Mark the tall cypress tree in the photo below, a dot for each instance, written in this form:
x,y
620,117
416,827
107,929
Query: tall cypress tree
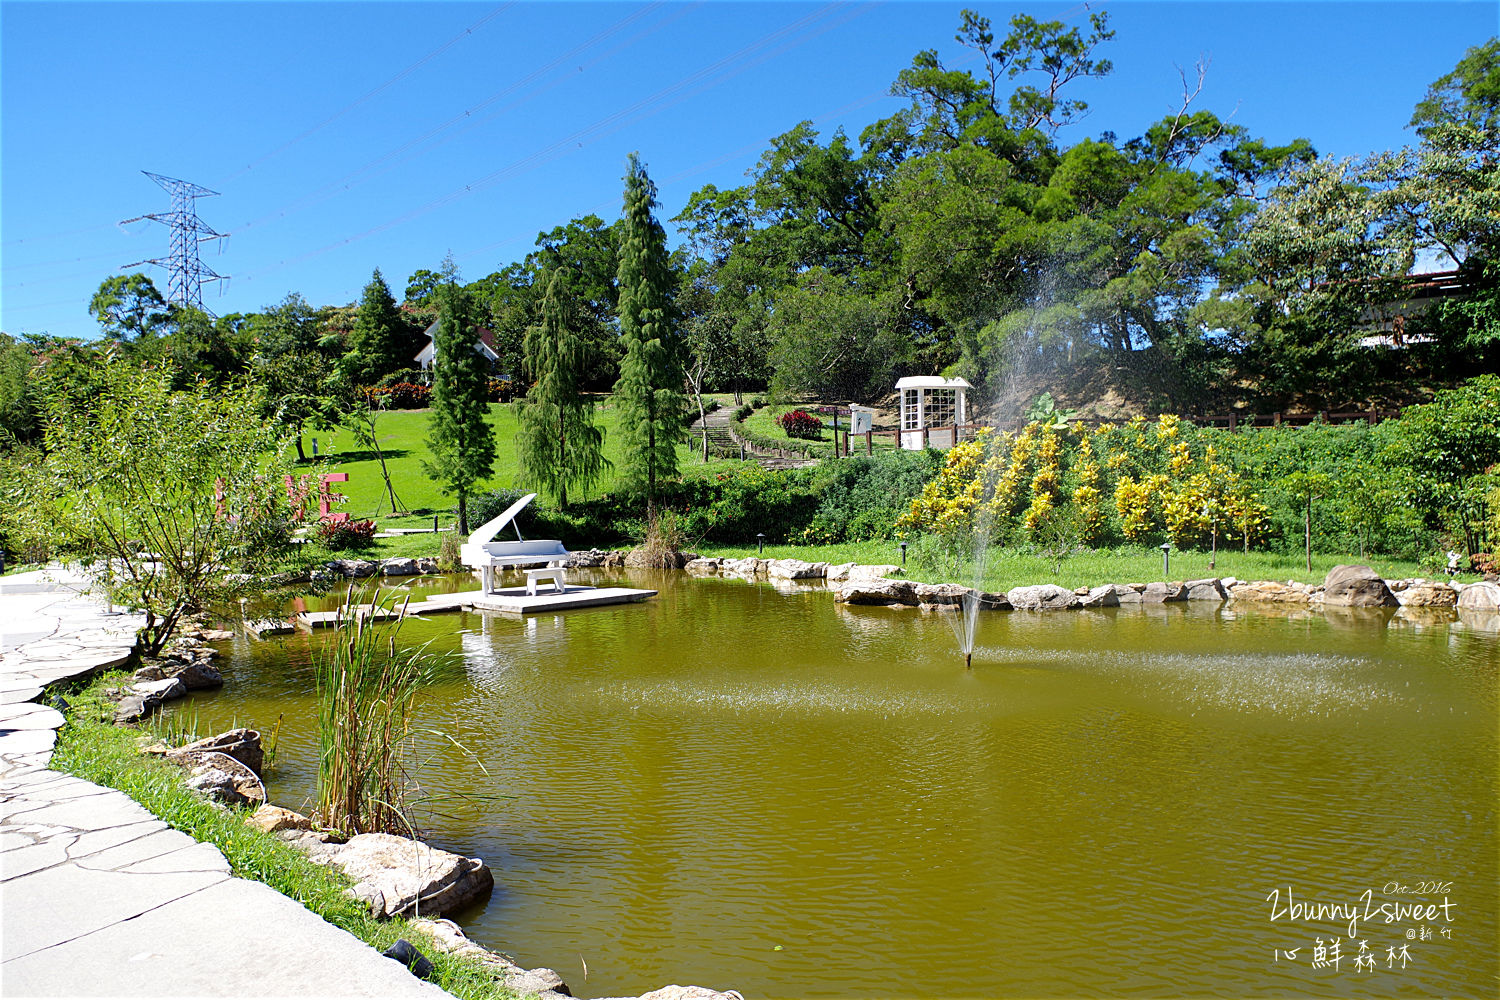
x,y
459,434
558,443
649,394
375,341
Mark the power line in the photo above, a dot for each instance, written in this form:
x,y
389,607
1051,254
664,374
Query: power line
x,y
663,98
371,93
337,187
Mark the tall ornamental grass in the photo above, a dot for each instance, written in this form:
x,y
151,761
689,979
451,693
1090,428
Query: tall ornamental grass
x,y
367,692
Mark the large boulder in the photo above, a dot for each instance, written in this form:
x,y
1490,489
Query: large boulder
x,y
1129,593
395,875
1271,592
399,566
877,592
1348,586
1101,597
866,571
1204,590
446,936
274,819
1427,595
1042,597
1480,597
795,569
1159,593
352,567
940,594
197,675
241,744
704,566
224,779
748,566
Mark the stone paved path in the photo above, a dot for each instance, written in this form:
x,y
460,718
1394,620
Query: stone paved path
x,y
98,898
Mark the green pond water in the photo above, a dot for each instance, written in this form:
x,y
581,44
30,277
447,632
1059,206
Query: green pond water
x,y
744,788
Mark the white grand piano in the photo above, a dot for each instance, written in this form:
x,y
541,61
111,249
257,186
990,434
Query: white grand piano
x,y
485,555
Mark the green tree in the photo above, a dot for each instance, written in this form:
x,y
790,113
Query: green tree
x,y
128,306
361,418
558,444
649,394
302,389
1304,488
290,326
166,519
376,342
20,400
459,434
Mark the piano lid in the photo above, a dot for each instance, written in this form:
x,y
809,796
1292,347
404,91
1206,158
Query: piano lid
x,y
490,529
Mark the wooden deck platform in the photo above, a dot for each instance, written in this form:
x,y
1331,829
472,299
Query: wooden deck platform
x,y
507,600
515,600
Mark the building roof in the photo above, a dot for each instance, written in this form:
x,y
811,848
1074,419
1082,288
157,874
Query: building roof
x,y
931,382
486,342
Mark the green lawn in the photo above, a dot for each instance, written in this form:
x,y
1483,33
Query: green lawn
x,y
403,438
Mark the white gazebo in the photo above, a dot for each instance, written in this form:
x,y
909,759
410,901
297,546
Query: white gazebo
x,y
933,411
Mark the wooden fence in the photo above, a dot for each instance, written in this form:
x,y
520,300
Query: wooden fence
x,y
1234,422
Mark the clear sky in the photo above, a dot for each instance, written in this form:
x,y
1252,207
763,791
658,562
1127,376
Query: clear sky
x,y
342,137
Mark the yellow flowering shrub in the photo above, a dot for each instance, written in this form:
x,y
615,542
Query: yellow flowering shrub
x,y
1019,484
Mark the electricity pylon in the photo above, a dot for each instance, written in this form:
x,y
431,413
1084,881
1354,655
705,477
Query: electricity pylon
x,y
185,272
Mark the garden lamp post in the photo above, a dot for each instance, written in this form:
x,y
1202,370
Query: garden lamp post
x,y
903,553
760,541
1166,547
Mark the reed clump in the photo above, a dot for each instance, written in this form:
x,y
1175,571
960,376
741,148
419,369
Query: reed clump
x,y
367,692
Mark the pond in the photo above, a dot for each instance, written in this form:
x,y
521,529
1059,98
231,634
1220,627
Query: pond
x,y
744,788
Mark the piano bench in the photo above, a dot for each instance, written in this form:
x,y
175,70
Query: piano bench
x,y
554,573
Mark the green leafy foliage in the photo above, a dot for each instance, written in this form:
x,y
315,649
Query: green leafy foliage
x,y
162,517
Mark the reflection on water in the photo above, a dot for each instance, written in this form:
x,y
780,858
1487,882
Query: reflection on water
x,y
744,788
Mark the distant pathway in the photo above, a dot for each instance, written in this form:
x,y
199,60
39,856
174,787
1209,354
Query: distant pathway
x,y
720,441
100,898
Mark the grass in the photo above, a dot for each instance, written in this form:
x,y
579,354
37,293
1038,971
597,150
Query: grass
x,y
92,748
1007,568
403,439
366,693
763,422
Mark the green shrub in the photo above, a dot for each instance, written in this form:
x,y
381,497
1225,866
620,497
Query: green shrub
x,y
488,506
406,376
860,498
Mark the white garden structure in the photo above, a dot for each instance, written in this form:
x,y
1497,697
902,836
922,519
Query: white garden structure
x,y
934,411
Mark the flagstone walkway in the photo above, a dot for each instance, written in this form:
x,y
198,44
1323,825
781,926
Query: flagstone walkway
x,y
98,898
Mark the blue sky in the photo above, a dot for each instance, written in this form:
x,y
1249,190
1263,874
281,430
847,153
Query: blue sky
x,y
343,137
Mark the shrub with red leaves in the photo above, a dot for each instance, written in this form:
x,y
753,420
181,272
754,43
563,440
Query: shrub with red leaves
x,y
800,424
337,536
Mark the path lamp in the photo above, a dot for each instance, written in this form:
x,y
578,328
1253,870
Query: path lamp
x,y
903,553
1166,547
1213,528
760,541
